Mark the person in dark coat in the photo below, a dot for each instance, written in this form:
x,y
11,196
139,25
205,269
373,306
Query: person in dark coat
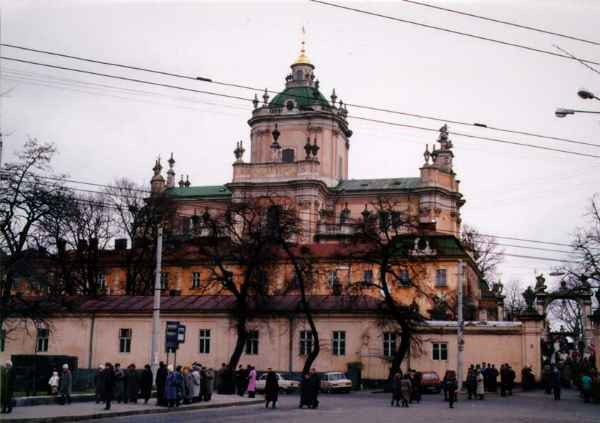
x,y
556,383
271,389
309,389
416,386
108,376
396,389
511,379
161,378
471,382
208,376
451,386
7,387
66,385
99,383
179,386
146,383
221,379
171,387
119,393
132,384
493,375
240,381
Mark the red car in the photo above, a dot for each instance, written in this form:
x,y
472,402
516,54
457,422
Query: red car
x,y
430,382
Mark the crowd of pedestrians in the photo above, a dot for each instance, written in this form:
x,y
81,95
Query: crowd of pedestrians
x,y
406,388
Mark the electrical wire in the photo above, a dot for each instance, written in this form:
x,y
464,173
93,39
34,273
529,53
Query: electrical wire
x,y
248,87
485,18
497,140
452,31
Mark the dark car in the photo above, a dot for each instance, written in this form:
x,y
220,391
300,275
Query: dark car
x,y
430,382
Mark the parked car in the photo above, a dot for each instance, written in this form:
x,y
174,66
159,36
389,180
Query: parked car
x,y
430,382
335,382
285,385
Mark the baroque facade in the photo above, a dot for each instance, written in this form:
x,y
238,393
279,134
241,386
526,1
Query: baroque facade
x,y
299,152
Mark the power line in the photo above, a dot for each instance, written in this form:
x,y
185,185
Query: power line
x,y
485,18
451,31
177,87
497,140
248,87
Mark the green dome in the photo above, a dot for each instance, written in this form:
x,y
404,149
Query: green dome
x,y
304,97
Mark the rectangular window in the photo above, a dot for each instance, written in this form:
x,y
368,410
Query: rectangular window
x,y
404,277
204,341
306,341
101,281
2,340
124,340
368,276
339,342
195,279
440,277
252,343
332,279
164,280
41,344
440,351
389,344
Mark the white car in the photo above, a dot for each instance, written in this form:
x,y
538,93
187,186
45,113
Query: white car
x,y
335,382
285,385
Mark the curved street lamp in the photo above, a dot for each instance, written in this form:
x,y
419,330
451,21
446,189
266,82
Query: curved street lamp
x,y
586,94
561,112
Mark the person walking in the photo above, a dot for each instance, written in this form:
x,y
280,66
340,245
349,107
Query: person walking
x,y
396,392
66,385
7,387
405,390
252,382
271,388
480,390
161,378
119,383
471,382
503,380
547,379
511,379
108,376
586,387
555,380
98,382
452,385
240,381
146,384
132,384
416,381
171,387
54,382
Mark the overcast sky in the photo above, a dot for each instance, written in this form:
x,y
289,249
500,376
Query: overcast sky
x,y
105,129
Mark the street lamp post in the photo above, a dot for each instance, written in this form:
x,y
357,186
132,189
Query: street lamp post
x,y
584,94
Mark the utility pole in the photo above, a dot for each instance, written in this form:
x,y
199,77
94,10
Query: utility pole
x,y
156,309
460,341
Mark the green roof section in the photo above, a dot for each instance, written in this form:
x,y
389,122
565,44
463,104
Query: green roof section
x,y
203,191
385,184
304,97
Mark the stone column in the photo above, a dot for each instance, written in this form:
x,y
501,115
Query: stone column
x,y
533,329
595,319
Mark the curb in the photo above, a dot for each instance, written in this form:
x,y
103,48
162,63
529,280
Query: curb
x,y
157,410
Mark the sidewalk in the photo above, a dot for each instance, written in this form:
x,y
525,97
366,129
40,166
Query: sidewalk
x,y
91,410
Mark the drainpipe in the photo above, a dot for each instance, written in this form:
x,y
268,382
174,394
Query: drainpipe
x,y
290,343
91,348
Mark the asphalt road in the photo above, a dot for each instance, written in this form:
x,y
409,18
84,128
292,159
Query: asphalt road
x,y
375,408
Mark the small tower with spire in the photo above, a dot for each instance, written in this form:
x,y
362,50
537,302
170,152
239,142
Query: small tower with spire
x,y
171,173
157,183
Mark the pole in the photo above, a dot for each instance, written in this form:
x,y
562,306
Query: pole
x,y
461,324
156,309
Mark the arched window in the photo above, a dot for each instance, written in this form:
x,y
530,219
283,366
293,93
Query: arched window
x,y
287,155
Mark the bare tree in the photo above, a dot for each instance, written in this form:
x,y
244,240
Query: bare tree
x,y
136,217
514,304
26,199
238,245
486,252
393,242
